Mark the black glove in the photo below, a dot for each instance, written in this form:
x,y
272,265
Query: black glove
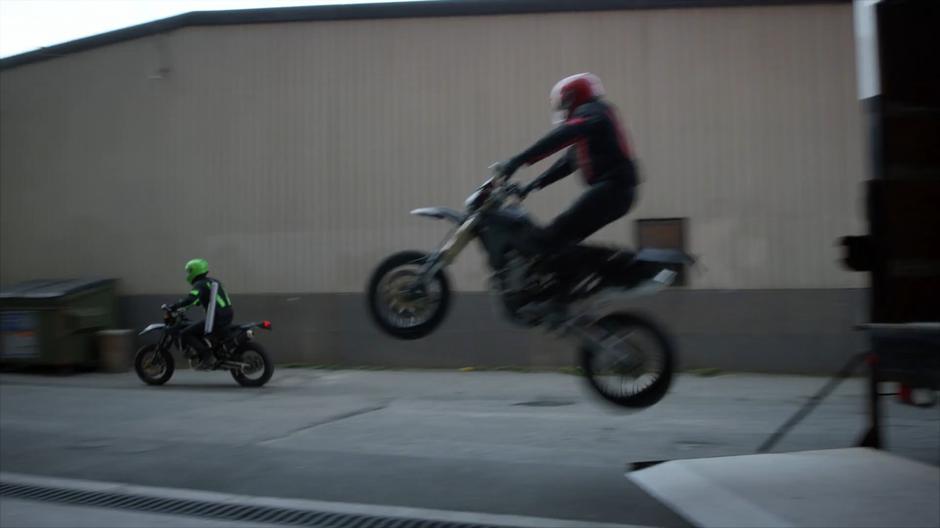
x,y
509,167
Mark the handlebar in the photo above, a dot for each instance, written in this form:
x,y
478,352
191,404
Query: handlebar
x,y
498,174
172,315
516,190
497,187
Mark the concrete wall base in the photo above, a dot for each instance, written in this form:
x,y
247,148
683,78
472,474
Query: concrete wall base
x,y
775,331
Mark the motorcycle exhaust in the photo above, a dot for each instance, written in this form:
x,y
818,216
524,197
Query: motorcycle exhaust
x,y
233,365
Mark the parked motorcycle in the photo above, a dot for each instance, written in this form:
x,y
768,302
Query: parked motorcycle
x,y
626,358
233,349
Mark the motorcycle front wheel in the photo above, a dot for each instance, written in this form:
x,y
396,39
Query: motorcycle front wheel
x,y
628,361
154,366
399,304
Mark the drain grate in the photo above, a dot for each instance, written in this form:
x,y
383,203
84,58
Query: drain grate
x,y
223,511
545,403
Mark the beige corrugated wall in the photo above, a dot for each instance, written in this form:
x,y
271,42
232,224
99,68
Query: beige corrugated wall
x,y
290,154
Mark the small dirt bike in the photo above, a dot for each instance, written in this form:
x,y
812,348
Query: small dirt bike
x,y
626,358
233,349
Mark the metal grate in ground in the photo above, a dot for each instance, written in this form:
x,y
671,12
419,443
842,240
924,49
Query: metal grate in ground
x,y
220,510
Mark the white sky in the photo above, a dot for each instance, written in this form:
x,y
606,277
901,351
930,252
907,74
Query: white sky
x,y
26,25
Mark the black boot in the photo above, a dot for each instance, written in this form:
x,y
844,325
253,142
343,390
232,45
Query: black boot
x,y
201,353
206,357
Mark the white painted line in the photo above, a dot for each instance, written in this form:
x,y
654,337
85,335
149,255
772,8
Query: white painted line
x,y
306,505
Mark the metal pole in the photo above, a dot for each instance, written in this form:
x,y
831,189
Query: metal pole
x,y
872,437
817,398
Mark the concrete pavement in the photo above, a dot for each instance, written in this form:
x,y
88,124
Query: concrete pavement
x,y
533,445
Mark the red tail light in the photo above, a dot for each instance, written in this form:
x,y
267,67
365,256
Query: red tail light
x,y
266,325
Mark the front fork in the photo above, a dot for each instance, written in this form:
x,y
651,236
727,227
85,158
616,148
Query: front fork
x,y
448,252
162,345
165,343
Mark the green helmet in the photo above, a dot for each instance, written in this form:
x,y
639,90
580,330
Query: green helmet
x,y
195,268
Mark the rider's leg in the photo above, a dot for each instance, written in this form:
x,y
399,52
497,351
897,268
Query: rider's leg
x,y
194,336
600,205
223,319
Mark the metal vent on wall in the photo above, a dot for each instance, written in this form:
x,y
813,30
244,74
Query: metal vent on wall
x,y
220,510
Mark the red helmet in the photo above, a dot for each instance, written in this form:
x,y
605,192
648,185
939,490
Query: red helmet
x,y
572,92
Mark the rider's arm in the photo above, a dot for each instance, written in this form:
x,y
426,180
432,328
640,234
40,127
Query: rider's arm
x,y
584,122
191,299
564,166
198,295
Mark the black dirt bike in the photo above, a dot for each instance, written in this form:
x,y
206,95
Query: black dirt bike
x,y
233,349
626,358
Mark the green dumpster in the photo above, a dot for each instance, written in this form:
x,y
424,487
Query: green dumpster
x,y
54,322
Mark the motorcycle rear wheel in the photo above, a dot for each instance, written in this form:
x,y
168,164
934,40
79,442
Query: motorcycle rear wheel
x,y
631,363
260,368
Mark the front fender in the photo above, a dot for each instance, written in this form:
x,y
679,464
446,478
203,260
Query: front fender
x,y
442,213
151,328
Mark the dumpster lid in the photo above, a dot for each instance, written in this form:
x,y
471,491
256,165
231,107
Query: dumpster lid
x,y
50,288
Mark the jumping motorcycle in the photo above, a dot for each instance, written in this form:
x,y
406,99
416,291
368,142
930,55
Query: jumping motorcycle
x,y
233,349
625,357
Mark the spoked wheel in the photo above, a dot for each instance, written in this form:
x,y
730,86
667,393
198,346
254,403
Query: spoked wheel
x,y
400,303
154,366
628,361
258,369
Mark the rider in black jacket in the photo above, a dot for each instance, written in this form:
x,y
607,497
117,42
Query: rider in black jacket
x,y
201,294
589,126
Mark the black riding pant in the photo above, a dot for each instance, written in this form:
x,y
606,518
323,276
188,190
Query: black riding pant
x,y
600,205
193,333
